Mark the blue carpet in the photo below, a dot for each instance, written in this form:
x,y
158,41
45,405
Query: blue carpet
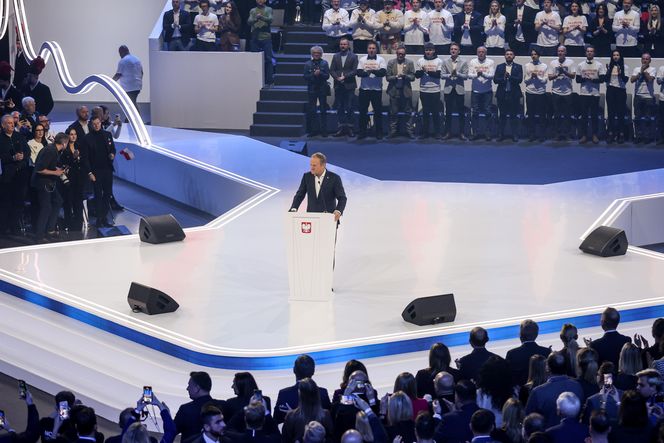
x,y
485,162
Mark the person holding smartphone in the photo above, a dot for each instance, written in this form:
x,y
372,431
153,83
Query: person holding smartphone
x,y
31,432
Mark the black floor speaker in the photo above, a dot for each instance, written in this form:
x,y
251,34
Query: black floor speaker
x,y
160,229
605,241
149,300
430,310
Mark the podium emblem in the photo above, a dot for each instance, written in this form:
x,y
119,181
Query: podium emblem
x,y
306,227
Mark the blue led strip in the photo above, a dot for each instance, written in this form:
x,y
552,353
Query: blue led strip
x,y
321,357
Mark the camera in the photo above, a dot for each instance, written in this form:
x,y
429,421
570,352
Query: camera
x,y
22,389
258,394
64,178
608,381
63,410
147,394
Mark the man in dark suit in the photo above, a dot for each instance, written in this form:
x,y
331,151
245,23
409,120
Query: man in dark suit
x,y
85,421
468,28
569,430
519,358
508,77
256,429
343,70
454,426
10,96
400,74
520,27
14,155
36,89
212,423
288,399
323,188
101,152
81,125
608,347
482,424
470,364
177,28
543,398
188,419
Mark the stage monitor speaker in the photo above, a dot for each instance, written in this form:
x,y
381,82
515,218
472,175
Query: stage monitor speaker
x,y
149,300
160,229
605,241
430,310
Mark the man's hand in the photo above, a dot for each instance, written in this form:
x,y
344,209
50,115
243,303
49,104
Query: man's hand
x,y
111,156
58,171
92,177
285,408
360,404
640,341
28,398
437,409
587,340
337,215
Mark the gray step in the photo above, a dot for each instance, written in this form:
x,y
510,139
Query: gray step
x,y
312,38
301,48
276,130
292,58
280,106
279,118
286,94
289,80
290,68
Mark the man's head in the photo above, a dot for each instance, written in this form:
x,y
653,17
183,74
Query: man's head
x,y
590,54
29,105
344,45
509,56
534,55
556,363
372,49
351,436
429,50
627,5
606,368
205,6
16,115
314,432
317,163
645,59
568,405
175,4
254,415
533,423
455,49
416,4
478,337
260,3
304,367
335,4
388,5
481,53
95,123
599,424
401,53
562,52
649,382
60,141
438,5
610,317
547,5
443,384
86,421
465,392
468,6
364,5
528,330
425,426
200,385
125,415
123,50
482,422
82,113
213,422
44,121
8,124
316,53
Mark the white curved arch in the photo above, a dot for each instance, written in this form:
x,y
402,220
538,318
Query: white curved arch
x,y
53,48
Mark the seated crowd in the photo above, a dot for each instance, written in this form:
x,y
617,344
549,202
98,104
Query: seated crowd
x,y
43,172
611,390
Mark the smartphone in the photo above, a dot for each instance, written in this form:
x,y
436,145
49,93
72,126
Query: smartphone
x,y
2,419
22,388
258,394
147,394
608,380
63,410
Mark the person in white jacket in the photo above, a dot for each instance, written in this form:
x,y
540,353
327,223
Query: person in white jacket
x,y
480,71
363,24
336,25
441,26
494,29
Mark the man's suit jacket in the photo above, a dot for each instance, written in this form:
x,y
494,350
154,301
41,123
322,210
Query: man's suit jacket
x,y
15,95
527,24
514,81
43,97
290,395
476,28
568,431
594,403
470,365
454,426
543,398
608,347
456,82
519,358
408,78
349,70
250,436
186,25
188,420
331,196
9,146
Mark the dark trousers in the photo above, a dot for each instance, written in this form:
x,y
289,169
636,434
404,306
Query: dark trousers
x,y
202,46
72,203
509,110
588,109
133,95
313,123
644,117
397,105
376,99
103,187
265,46
12,200
344,99
495,51
616,104
50,203
536,110
481,108
178,44
431,109
562,109
454,104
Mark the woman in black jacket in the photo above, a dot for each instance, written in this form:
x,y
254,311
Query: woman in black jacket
x,y
616,97
601,31
74,160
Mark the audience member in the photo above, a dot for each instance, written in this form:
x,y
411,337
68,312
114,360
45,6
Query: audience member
x,y
586,371
400,74
590,74
245,387
607,399
314,432
316,74
535,78
101,152
616,97
371,69
31,432
212,425
520,27
49,135
188,419
643,78
416,27
629,364
601,30
512,423
343,70
454,72
633,425
494,30
336,24
130,74
32,87
600,427
287,400
536,376
229,28
481,71
495,386
367,423
468,28
654,32
650,388
37,142
654,352
11,97
29,115
256,429
454,427
441,26
575,26
608,347
470,365
569,430
533,423
81,125
14,156
358,390
626,26
309,409
85,421
429,71
443,394
398,411
389,23
439,360
548,26
482,424
519,358
205,28
177,28
569,337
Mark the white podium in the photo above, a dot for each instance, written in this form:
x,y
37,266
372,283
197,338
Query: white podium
x,y
310,240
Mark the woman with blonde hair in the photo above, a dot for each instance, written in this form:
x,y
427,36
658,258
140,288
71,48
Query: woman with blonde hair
x,y
586,371
513,414
136,433
569,336
654,37
629,364
399,416
536,376
494,29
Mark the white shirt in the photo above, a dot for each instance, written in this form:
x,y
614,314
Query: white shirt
x,y
592,70
616,79
207,439
533,4
429,84
575,38
519,30
441,25
131,72
626,36
453,6
206,23
318,181
487,68
331,17
642,87
414,33
535,85
562,84
495,35
372,82
176,24
465,37
366,30
547,35
660,81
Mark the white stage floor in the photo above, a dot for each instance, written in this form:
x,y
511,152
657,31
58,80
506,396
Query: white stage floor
x,y
507,252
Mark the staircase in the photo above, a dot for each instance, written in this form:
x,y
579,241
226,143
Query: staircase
x,y
280,112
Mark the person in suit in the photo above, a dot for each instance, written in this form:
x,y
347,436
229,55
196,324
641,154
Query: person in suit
x,y
543,398
323,188
608,347
85,421
607,400
188,419
21,66
287,399
443,385
46,173
101,152
569,430
455,72
177,28
14,155
343,70
10,96
316,74
81,125
455,426
520,27
470,364
31,432
400,74
468,28
34,88
508,77
482,423
255,417
213,425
